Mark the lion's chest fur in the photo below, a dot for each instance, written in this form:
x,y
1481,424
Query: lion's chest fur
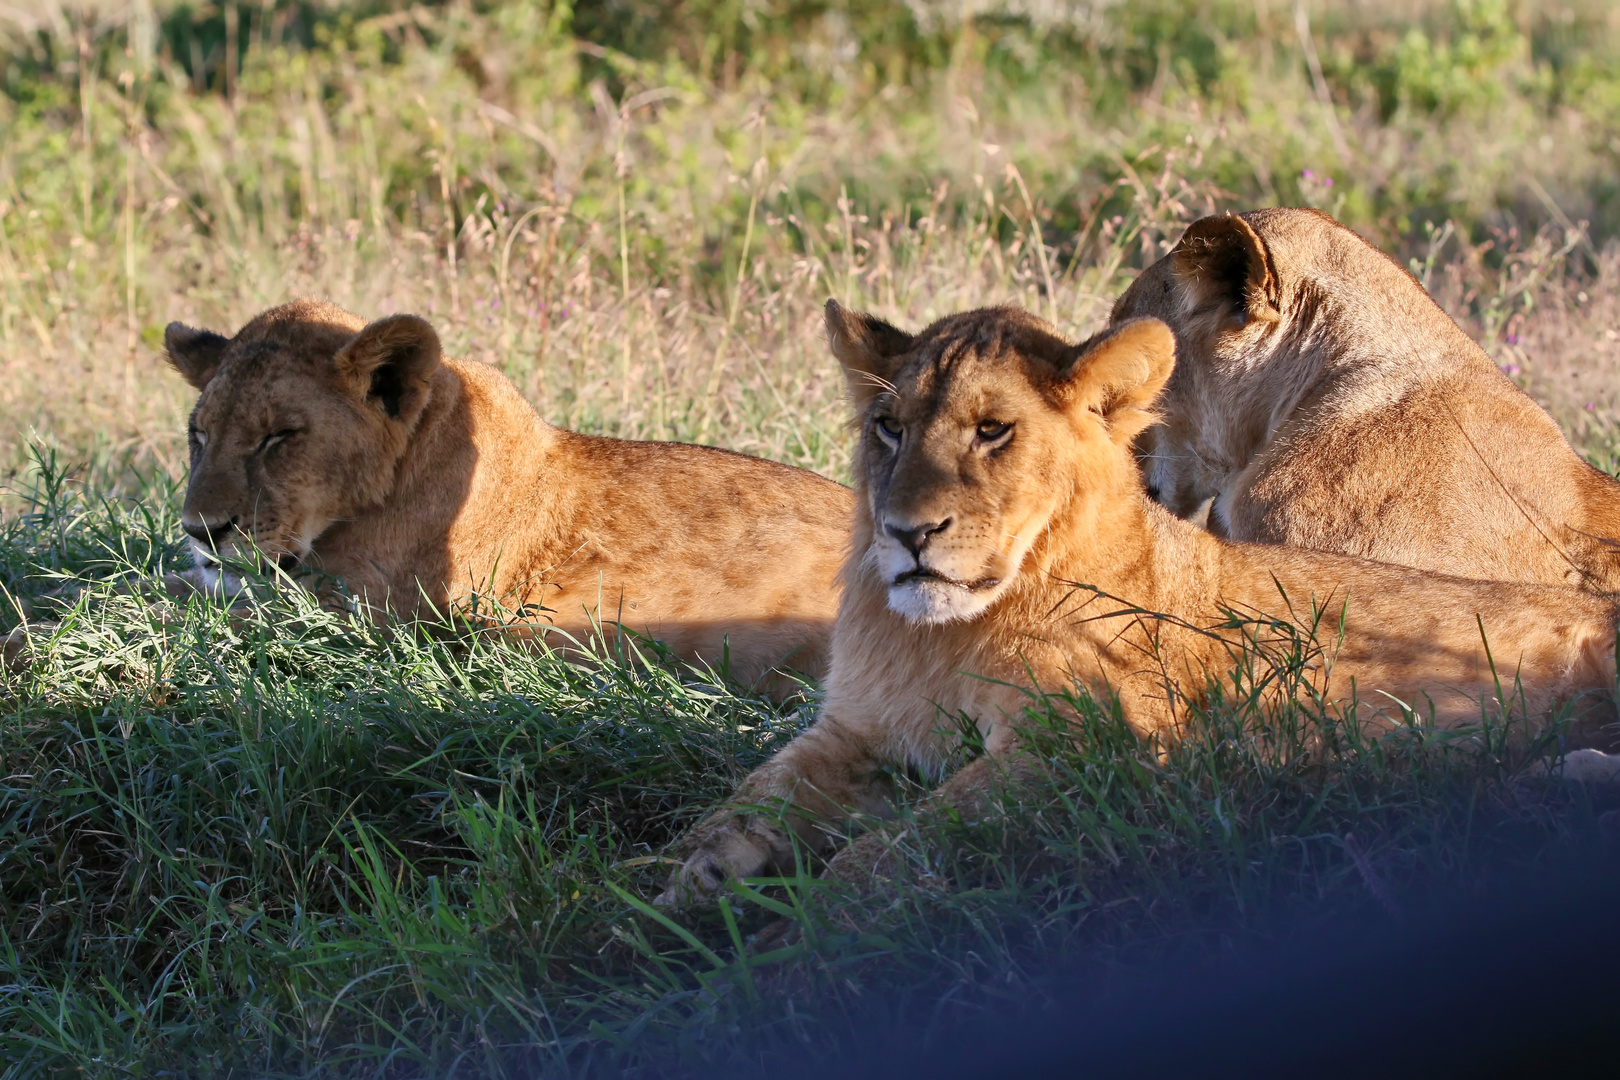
x,y
912,689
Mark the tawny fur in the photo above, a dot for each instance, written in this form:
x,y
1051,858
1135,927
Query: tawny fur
x,y
1024,514
421,481
1322,399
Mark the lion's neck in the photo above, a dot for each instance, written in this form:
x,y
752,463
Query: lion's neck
x,y
1099,539
1121,544
480,458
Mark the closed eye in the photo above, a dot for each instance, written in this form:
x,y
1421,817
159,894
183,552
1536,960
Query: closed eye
x,y
275,438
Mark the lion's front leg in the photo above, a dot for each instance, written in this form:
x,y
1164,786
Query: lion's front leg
x,y
821,777
971,793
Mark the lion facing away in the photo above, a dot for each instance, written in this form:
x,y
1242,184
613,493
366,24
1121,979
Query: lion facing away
x,y
1322,399
1002,533
340,448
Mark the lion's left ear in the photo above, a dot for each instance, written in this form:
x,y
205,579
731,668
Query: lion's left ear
x,y
867,347
1221,264
1119,374
389,364
195,354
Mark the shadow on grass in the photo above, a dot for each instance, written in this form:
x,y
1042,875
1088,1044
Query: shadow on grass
x,y
279,841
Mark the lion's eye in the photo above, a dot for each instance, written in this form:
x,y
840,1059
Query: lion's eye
x,y
275,438
992,430
199,437
890,429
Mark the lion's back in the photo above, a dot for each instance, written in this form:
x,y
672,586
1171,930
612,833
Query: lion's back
x,y
1364,421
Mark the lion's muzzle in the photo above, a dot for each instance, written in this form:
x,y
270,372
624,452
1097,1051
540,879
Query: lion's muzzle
x,y
208,534
915,537
923,566
925,573
216,543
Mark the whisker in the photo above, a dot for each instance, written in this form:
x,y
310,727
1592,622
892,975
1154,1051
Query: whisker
x,y
876,380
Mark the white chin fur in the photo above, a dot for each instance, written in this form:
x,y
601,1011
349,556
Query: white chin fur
x,y
207,575
923,600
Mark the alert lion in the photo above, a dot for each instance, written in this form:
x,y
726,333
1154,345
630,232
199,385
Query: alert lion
x,y
1322,399
341,448
1002,532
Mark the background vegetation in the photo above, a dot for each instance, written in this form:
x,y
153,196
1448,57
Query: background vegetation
x,y
287,845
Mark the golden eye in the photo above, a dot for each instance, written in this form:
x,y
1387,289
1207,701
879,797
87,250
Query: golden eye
x,y
992,430
890,428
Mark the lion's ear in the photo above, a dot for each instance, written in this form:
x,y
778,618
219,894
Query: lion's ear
x,y
389,363
866,346
195,354
1222,264
1119,373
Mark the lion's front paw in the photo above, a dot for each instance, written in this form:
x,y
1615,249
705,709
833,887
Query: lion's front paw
x,y
735,849
867,860
695,880
1592,768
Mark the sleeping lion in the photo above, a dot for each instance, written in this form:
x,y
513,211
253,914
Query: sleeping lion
x,y
352,450
1002,534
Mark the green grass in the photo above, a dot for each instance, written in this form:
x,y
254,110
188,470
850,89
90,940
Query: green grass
x,y
277,842
281,843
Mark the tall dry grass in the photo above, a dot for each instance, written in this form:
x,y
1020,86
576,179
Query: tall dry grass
x,y
645,248
598,330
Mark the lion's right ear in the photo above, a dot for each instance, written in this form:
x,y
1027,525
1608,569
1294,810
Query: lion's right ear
x,y
389,364
1120,373
195,354
1222,264
866,346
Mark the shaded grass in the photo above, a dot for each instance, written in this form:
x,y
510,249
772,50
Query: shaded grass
x,y
281,843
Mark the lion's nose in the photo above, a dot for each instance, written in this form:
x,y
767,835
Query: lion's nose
x,y
205,533
915,538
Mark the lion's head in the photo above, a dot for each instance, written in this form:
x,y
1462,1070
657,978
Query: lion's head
x,y
302,421
975,432
1261,304
1220,291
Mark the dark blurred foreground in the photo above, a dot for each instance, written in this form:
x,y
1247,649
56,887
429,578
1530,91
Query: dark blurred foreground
x,y
1521,982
